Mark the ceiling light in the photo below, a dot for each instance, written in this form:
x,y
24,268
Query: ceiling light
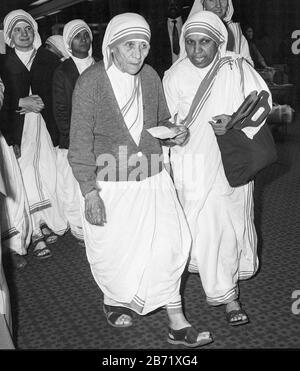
x,y
38,2
56,11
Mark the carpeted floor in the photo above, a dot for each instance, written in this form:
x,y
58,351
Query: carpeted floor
x,y
57,305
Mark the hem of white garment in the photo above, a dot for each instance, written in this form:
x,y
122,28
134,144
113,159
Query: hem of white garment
x,y
228,297
39,206
10,233
75,234
139,309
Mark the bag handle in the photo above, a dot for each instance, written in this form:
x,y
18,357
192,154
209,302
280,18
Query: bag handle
x,y
258,112
254,109
252,112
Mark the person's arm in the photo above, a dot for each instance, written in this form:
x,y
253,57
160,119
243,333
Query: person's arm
x,y
81,150
61,105
172,96
163,114
259,57
7,124
81,154
172,100
32,103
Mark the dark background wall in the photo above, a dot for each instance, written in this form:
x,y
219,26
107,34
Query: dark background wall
x,y
273,22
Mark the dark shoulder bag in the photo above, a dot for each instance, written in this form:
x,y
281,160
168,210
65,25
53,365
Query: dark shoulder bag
x,y
243,157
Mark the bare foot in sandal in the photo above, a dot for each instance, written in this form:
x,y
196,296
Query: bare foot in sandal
x,y
235,315
181,332
189,337
41,250
50,236
118,316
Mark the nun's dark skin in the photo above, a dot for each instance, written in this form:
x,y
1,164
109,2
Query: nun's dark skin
x,y
201,51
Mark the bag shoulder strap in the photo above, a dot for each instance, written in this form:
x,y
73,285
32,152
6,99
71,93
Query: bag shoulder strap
x,y
204,90
240,66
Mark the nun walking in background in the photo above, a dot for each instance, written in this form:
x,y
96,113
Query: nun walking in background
x,y
77,38
224,10
55,44
137,240
28,126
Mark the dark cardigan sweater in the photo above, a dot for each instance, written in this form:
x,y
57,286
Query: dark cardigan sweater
x,y
64,80
18,81
98,128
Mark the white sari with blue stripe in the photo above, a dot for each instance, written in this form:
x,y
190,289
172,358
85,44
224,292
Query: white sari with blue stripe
x,y
220,217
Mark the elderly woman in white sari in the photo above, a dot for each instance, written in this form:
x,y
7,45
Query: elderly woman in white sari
x,y
77,38
224,248
27,123
224,10
137,240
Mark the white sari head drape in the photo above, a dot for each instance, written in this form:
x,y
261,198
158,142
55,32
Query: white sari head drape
x,y
123,27
71,29
57,42
126,87
15,17
199,6
203,23
236,41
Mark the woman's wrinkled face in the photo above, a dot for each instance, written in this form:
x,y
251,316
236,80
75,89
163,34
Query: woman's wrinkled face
x,y
200,49
22,36
81,44
129,55
219,7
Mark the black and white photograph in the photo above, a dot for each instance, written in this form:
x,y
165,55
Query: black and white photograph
x,y
149,179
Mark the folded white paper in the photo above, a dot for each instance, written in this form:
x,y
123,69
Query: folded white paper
x,y
162,132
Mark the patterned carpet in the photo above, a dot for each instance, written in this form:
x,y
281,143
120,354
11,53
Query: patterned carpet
x,y
57,305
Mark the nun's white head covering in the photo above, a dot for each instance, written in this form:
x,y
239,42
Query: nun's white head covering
x,y
71,29
15,17
123,27
57,42
198,6
207,24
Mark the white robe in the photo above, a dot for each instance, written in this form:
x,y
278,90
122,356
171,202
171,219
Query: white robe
x,y
16,227
39,171
67,186
220,217
5,314
68,194
138,257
